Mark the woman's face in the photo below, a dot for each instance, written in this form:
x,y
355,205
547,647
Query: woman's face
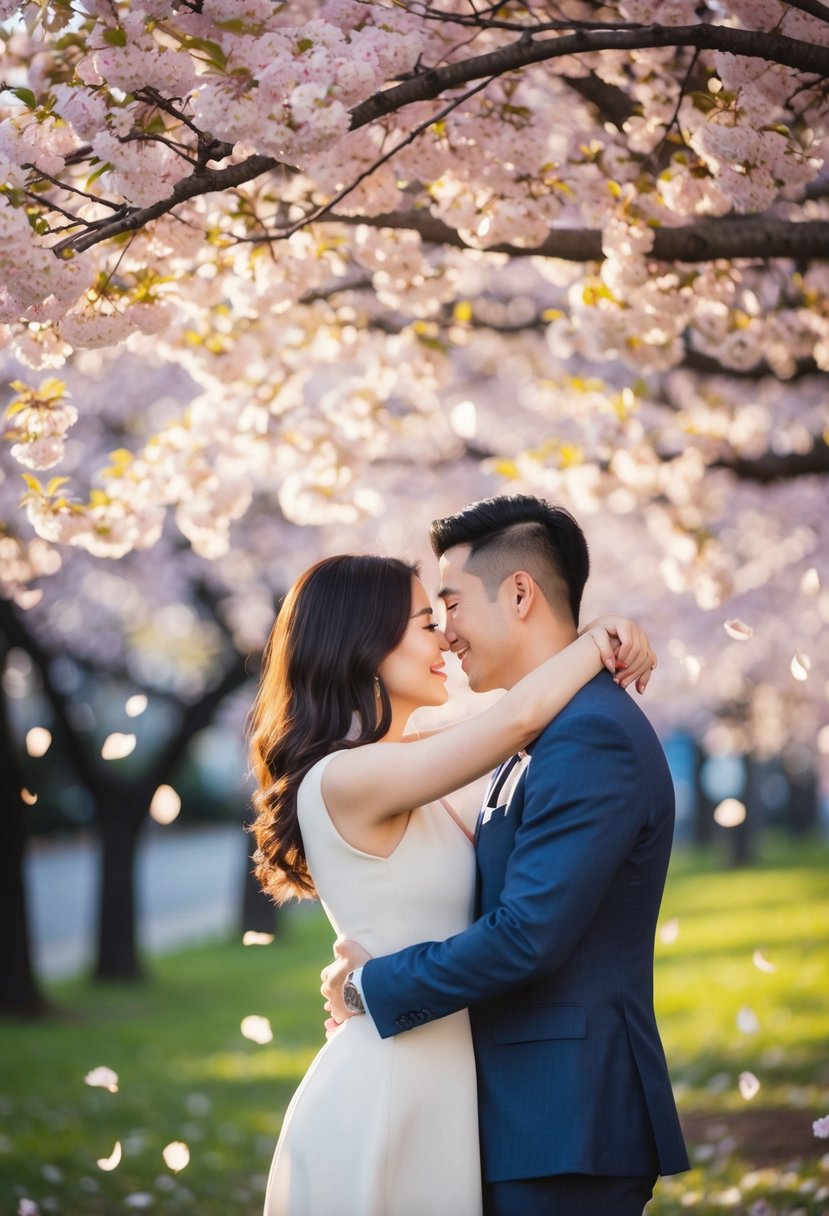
x,y
413,674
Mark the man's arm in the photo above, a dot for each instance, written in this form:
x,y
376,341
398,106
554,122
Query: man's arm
x,y
583,812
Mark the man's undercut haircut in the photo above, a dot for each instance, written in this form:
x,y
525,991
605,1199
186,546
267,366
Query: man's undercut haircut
x,y
518,532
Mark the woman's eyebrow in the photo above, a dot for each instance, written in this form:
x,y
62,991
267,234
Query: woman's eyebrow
x,y
422,612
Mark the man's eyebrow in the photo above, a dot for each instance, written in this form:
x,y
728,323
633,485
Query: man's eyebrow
x,y
445,592
422,612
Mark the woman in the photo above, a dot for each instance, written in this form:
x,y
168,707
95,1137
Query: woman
x,y
383,1127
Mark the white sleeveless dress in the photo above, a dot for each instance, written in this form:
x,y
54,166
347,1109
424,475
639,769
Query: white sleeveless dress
x,y
385,1127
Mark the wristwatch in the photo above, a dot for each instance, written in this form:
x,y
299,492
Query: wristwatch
x,y
351,995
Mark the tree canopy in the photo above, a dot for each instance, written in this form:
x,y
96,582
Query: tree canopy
x,y
574,248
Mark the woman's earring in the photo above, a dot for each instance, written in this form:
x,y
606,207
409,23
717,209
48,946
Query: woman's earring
x,y
377,688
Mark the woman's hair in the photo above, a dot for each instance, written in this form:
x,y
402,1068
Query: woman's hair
x,y
334,628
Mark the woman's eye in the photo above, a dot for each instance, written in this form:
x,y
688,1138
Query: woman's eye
x,y
431,628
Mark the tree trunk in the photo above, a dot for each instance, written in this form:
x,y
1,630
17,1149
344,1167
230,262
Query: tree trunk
x,y
703,826
19,992
120,819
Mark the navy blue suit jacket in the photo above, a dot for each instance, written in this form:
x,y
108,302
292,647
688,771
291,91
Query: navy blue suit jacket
x,y
558,969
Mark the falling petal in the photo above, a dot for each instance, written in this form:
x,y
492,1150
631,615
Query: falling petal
x,y
38,741
730,813
821,1127
738,630
113,1160
810,583
823,741
165,805
28,1207
136,705
176,1156
747,1020
693,667
28,797
139,1200
103,1078
749,1085
762,963
801,666
252,938
117,746
257,1029
669,932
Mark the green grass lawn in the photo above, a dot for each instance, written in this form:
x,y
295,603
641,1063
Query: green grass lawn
x,y
186,1073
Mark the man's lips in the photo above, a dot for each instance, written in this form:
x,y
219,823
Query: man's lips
x,y
461,654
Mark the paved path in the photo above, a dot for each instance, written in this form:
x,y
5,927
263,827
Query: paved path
x,y
189,887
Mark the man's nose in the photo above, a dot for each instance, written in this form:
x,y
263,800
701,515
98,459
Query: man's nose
x,y
449,634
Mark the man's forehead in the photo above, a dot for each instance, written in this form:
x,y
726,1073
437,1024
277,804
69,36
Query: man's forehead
x,y
452,573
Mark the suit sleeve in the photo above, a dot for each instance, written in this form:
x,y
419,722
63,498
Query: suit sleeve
x,y
583,811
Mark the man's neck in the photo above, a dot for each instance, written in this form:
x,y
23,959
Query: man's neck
x,y
538,650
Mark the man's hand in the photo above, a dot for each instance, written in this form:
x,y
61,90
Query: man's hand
x,y
350,955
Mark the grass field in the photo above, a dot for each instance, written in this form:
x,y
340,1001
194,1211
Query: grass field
x,y
186,1073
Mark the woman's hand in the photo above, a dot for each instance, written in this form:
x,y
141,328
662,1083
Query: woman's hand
x,y
634,656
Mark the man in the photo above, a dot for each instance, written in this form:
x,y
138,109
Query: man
x,y
577,1116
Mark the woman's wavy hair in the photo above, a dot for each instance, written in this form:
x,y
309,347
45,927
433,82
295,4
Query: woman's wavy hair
x,y
334,628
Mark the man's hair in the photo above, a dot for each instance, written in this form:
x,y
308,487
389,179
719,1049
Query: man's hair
x,y
518,532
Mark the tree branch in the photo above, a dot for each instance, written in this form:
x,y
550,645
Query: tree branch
x,y
203,181
771,466
774,48
704,241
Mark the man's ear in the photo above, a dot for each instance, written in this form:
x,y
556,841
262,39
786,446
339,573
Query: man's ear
x,y
523,593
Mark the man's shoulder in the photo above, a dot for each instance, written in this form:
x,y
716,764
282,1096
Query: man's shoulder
x,y
601,702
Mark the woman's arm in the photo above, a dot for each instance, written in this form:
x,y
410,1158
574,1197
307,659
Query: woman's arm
x,y
376,782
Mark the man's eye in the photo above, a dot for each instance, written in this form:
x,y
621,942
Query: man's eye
x,y
451,607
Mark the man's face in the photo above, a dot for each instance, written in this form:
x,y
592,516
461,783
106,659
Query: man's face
x,y
477,628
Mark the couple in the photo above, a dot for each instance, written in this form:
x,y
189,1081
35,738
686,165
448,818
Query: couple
x,y
542,924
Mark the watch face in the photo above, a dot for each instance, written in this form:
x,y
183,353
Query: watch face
x,y
351,997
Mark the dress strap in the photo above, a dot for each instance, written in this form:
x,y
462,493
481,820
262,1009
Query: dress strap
x,y
453,814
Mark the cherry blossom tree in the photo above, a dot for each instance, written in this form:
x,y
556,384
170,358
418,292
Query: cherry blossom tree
x,y
405,253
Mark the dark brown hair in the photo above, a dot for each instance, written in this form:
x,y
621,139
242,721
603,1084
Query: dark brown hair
x,y
334,628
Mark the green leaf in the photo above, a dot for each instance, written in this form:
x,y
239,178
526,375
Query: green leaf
x,y
26,96
116,37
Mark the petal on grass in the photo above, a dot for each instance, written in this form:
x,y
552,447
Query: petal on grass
x,y
103,1078
113,1160
176,1156
762,963
252,938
